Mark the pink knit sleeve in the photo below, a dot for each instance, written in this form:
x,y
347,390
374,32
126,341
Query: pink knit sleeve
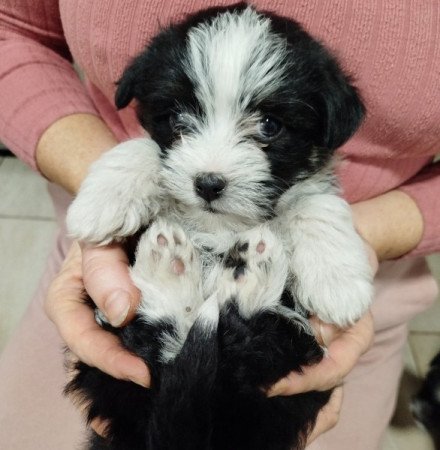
x,y
38,84
424,188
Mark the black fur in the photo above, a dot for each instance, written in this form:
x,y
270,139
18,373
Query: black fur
x,y
317,104
212,395
200,402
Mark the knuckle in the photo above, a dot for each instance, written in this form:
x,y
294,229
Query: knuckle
x,y
93,268
333,419
334,380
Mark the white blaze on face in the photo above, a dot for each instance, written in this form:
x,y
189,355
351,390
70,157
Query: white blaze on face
x,y
232,61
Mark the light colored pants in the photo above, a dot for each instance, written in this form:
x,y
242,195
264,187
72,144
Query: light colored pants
x,y
34,415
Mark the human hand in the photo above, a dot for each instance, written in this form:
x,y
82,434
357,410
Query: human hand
x,y
344,348
102,272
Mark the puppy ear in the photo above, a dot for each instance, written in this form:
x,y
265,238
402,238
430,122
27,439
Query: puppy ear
x,y
145,73
342,107
125,92
339,102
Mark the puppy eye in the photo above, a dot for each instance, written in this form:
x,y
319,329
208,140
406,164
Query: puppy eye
x,y
170,119
270,127
175,120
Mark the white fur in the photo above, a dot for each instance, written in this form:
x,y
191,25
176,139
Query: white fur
x,y
243,167
168,292
234,60
260,287
120,194
331,274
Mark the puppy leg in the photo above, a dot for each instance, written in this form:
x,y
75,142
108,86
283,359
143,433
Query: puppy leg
x,y
120,194
260,341
167,272
330,273
253,272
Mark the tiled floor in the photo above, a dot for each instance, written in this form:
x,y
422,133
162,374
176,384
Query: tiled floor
x,y
26,233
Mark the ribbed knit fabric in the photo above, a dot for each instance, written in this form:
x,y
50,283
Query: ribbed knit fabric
x,y
391,48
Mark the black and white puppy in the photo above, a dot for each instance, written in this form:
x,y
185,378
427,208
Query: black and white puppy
x,y
246,230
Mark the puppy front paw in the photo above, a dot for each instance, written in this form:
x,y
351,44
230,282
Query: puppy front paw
x,y
119,196
330,273
335,297
332,281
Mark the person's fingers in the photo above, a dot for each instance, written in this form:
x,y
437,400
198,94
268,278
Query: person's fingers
x,y
107,281
328,417
76,324
100,426
325,333
342,355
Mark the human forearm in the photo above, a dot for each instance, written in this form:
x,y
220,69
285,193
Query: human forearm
x,y
391,223
68,147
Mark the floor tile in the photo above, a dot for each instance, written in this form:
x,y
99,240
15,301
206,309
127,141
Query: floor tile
x,y
407,439
424,347
409,361
23,192
434,264
24,245
389,443
429,321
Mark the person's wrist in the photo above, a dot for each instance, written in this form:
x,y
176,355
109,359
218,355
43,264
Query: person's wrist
x,y
68,147
391,224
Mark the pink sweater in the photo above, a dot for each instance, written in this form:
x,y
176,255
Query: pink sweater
x,y
392,48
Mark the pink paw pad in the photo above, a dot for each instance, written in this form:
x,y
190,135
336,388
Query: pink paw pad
x,y
177,266
261,246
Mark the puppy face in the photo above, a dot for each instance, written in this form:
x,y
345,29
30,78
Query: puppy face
x,y
243,105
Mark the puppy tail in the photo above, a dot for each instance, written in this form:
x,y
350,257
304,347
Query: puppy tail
x,y
182,417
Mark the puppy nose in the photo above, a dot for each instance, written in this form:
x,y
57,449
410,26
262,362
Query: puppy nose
x,y
209,186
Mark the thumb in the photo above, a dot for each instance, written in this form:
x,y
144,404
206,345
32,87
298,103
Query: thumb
x,y
107,281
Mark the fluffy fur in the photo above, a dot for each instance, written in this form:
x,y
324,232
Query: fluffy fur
x,y
246,232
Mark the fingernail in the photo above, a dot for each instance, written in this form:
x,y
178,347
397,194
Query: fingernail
x,y
142,376
116,307
326,334
140,382
278,388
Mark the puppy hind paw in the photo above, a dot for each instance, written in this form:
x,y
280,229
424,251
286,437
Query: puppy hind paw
x,y
254,271
170,250
167,260
120,194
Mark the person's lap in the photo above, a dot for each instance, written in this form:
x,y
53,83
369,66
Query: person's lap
x,y
35,415
403,289
33,412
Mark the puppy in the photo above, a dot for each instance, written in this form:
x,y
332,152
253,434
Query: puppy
x,y
246,236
